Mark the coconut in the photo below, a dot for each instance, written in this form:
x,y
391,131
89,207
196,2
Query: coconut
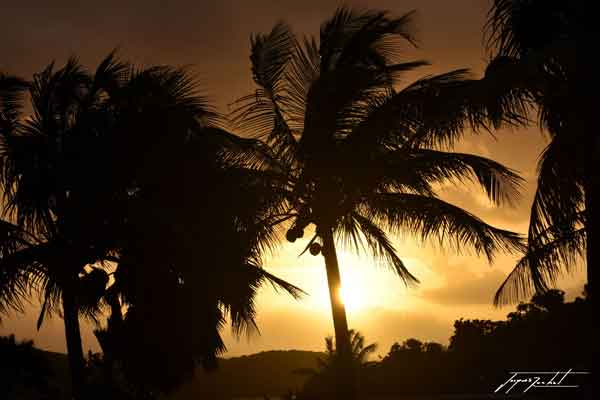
x,y
290,235
314,248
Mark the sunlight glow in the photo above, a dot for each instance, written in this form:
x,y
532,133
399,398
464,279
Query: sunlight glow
x,y
352,297
367,284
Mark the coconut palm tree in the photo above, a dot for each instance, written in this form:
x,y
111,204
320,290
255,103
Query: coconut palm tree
x,y
353,155
67,210
533,45
205,261
322,379
59,198
360,352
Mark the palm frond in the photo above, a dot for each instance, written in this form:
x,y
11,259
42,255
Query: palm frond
x,y
174,89
560,190
501,184
20,270
541,266
359,89
498,28
248,153
515,28
361,232
238,298
428,217
261,112
351,38
110,75
301,74
50,292
434,111
12,90
377,38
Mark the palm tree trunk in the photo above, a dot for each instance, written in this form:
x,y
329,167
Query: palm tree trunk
x,y
347,383
73,338
334,281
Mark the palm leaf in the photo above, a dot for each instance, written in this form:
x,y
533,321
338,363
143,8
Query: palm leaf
x,y
363,232
12,91
501,184
261,111
560,191
428,217
541,266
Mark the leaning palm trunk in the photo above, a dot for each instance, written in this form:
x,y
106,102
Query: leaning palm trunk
x,y
340,323
73,338
347,380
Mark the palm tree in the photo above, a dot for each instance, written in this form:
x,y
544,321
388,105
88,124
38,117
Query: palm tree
x,y
352,155
62,204
322,379
66,209
205,261
359,351
533,45
57,204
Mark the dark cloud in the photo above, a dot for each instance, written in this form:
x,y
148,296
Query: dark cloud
x,y
212,35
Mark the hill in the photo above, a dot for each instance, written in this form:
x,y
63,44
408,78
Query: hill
x,y
256,375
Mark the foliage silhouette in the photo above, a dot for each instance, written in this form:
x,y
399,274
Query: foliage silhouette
x,y
481,353
323,379
476,362
24,371
70,218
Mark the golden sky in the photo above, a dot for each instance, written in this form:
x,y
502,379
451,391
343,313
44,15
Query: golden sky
x,y
213,38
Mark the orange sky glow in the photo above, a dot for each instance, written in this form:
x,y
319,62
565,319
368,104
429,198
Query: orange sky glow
x,y
214,38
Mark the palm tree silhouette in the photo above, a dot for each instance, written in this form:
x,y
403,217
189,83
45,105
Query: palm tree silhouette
x,y
359,351
350,153
67,210
205,261
534,51
57,197
323,377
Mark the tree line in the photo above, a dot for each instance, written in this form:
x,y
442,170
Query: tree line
x,y
479,355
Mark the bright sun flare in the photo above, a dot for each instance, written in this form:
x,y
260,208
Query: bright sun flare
x,y
364,286
351,297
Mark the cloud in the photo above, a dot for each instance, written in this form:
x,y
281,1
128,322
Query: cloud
x,y
466,287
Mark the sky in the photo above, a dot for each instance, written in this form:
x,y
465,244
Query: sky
x,y
212,38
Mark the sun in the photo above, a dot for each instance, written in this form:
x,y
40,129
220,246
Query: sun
x,y
364,287
351,296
